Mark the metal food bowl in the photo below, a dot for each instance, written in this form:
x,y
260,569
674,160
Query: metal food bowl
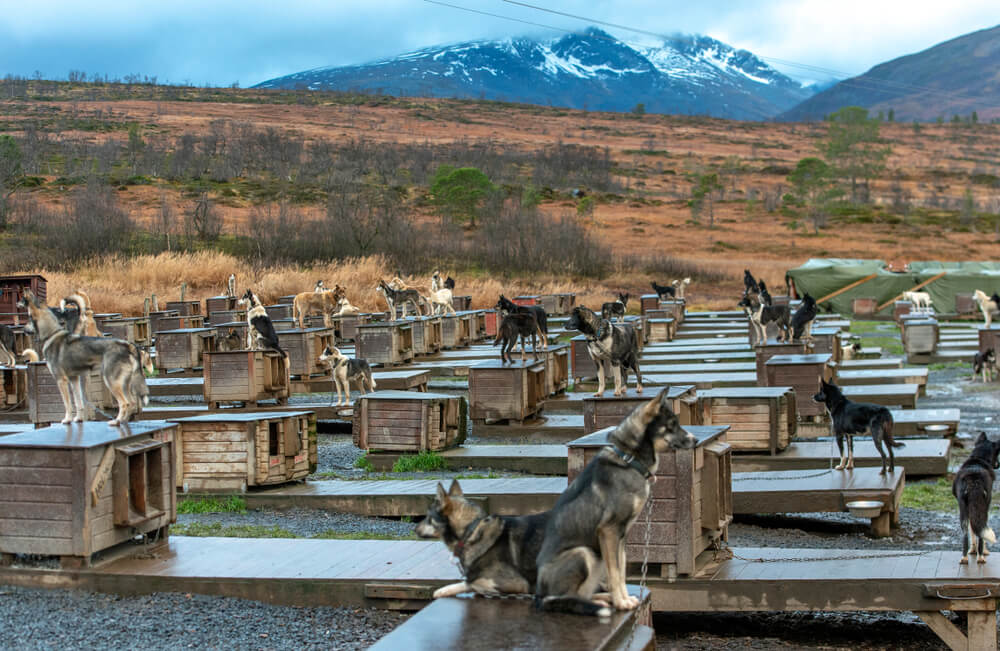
x,y
865,508
936,429
710,360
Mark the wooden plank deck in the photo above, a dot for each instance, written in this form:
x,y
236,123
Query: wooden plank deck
x,y
908,375
920,457
549,428
702,357
890,395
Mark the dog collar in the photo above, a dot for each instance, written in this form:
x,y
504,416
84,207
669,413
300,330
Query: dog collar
x,y
630,459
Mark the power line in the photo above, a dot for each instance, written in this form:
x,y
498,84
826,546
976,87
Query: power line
x,y
834,73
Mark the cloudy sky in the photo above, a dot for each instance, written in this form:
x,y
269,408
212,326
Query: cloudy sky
x,y
219,42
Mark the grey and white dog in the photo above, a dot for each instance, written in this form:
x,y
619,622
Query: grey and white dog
x,y
403,297
71,357
346,369
617,344
584,543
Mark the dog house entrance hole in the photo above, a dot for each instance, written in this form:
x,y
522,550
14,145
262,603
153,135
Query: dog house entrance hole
x,y
139,475
273,432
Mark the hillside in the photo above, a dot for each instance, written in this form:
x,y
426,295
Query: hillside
x,y
278,159
956,77
593,70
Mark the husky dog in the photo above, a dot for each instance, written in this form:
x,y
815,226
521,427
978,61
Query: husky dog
x,y
7,346
346,309
988,305
984,364
921,300
973,487
584,544
802,320
229,341
30,355
514,325
404,297
440,297
345,370
849,418
496,552
760,314
663,292
320,287
231,286
607,342
616,308
507,306
850,348
71,357
679,285
260,331
85,323
324,302
750,283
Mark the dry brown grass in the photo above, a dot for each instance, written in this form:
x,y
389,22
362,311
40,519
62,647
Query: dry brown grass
x,y
115,284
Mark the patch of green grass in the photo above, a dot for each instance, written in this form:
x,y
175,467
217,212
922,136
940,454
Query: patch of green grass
x,y
930,497
940,366
364,463
231,504
862,327
478,475
331,534
426,461
888,344
217,530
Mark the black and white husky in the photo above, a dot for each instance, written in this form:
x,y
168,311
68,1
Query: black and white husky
x,y
973,488
984,364
261,334
609,342
849,418
346,369
616,308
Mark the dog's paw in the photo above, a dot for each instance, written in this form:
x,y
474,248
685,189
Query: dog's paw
x,y
78,419
113,422
638,388
964,560
839,466
66,421
598,394
628,603
981,560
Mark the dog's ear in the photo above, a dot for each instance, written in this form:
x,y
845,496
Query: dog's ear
x,y
630,431
982,437
455,490
442,496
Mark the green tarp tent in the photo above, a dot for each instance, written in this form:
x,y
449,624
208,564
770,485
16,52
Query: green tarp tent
x,y
822,276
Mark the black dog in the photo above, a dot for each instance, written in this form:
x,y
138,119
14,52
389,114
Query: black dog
x,y
750,283
765,297
802,320
663,292
973,488
615,308
514,325
510,307
984,363
850,418
449,283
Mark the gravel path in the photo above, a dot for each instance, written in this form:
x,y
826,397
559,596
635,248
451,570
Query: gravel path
x,y
70,619
305,523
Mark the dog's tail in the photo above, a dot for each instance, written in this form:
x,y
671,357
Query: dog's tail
x,y
371,380
886,422
572,605
30,355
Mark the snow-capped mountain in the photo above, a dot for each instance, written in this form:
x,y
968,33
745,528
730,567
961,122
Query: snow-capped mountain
x,y
592,70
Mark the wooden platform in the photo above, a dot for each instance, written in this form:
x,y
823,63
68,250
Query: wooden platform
x,y
890,395
814,492
920,457
908,375
550,428
470,622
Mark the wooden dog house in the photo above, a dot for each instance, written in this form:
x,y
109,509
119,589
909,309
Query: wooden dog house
x,y
760,419
426,334
154,319
134,330
226,316
408,421
346,327
230,452
304,348
183,348
827,340
279,311
556,359
185,308
558,304
13,386
177,322
74,490
45,403
803,374
12,290
461,303
661,329
456,330
989,338
692,501
609,410
584,366
920,336
385,342
218,304
766,351
648,302
499,391
245,376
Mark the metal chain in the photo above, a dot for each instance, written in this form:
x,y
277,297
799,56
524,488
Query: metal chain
x,y
645,569
815,474
719,548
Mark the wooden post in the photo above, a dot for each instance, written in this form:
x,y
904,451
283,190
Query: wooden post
x,y
183,291
145,307
156,304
